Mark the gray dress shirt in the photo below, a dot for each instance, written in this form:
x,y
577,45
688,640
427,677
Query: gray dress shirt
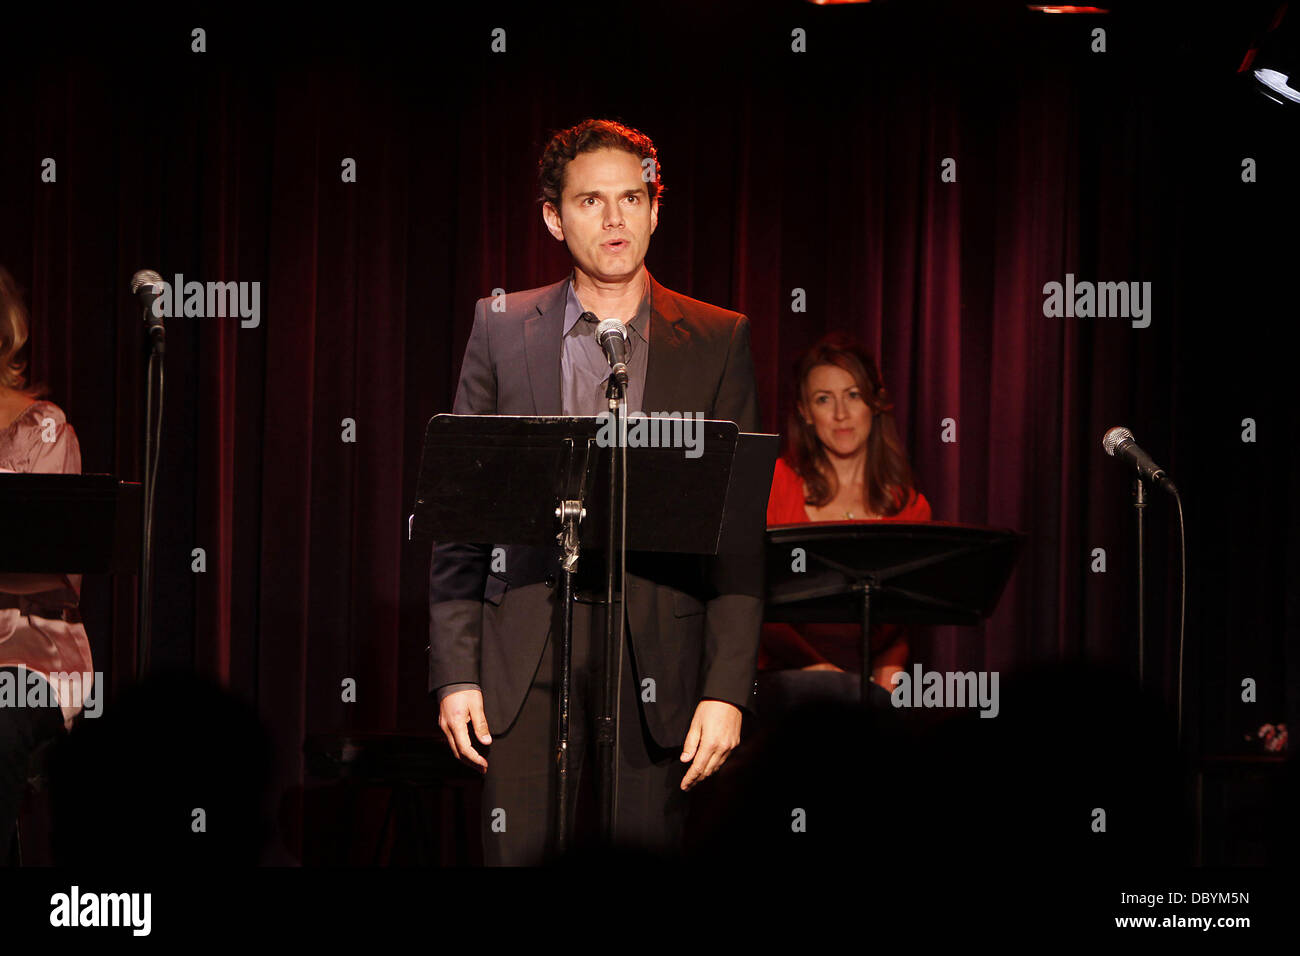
x,y
584,370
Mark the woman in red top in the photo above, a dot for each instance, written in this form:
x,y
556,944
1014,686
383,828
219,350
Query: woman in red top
x,y
843,462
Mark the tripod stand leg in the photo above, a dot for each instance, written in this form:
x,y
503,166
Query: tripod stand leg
x,y
562,746
866,643
571,513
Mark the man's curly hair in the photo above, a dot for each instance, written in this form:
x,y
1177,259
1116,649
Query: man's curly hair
x,y
586,137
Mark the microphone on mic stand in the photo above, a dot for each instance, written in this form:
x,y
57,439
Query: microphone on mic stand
x,y
612,336
147,286
1119,443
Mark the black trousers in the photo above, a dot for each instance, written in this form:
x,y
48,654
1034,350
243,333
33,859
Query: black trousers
x,y
22,730
518,790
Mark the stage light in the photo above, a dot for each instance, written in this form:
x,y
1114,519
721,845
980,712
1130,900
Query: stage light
x,y
1272,60
1064,8
1272,82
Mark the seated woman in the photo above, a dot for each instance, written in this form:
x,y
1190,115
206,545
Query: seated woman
x,y
843,462
40,631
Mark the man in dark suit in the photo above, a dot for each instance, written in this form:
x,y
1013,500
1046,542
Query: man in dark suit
x,y
692,623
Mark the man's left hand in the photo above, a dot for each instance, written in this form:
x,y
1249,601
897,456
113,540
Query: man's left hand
x,y
714,733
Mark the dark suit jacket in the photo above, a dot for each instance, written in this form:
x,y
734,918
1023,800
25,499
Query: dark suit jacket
x,y
694,622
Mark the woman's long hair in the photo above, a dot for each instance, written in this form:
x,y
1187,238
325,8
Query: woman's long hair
x,y
13,336
888,475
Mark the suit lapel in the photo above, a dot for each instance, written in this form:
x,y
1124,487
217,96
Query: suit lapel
x,y
668,340
543,341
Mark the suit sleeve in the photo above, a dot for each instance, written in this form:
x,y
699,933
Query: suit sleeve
x,y
457,571
734,618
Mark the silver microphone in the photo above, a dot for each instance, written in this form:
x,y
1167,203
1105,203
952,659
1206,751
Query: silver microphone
x,y
147,286
612,336
1119,443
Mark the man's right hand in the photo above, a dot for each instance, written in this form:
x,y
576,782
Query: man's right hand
x,y
456,712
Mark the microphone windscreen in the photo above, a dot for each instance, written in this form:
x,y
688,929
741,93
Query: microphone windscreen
x,y
143,278
610,325
1114,438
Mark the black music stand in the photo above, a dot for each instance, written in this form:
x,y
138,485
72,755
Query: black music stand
x,y
544,481
931,573
70,524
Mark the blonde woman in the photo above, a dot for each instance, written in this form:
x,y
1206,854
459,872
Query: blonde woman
x,y
40,630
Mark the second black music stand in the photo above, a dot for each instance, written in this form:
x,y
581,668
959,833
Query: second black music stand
x,y
930,573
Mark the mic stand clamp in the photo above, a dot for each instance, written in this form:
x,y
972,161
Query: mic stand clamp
x,y
570,512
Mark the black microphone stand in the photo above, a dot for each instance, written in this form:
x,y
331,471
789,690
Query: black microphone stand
x,y
156,345
607,744
1140,506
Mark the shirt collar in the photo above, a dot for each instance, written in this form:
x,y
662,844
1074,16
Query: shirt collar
x,y
640,323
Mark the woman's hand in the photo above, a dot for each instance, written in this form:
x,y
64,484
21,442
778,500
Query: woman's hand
x,y
825,666
884,676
